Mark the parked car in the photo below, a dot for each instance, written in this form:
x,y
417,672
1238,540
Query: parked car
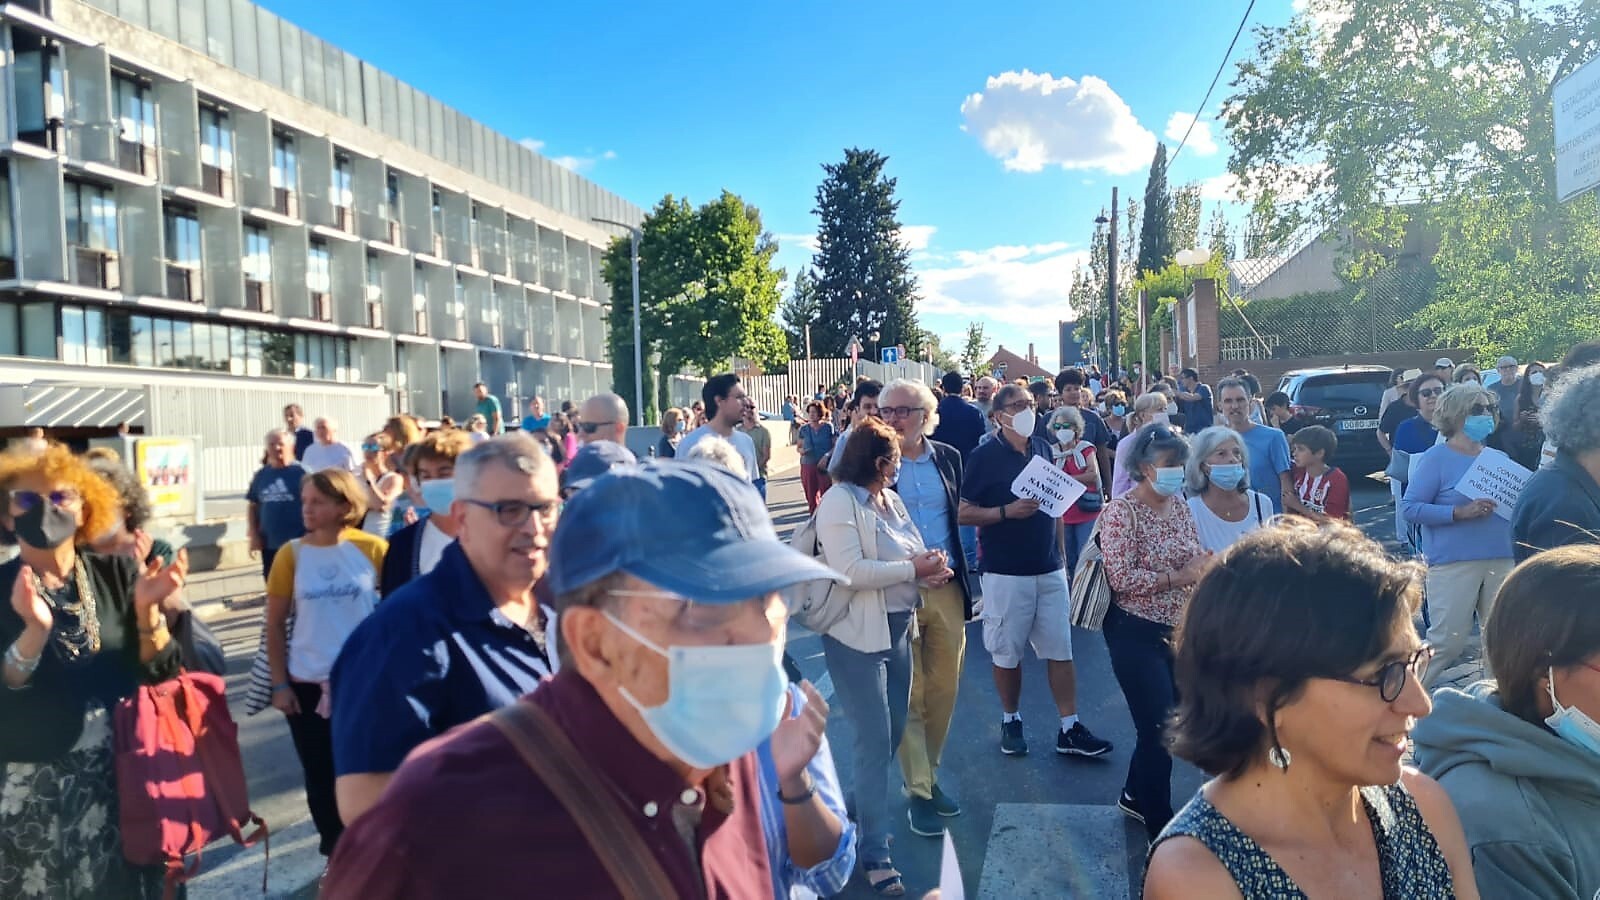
x,y
1345,399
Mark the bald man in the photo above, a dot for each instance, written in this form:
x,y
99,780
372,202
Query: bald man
x,y
603,417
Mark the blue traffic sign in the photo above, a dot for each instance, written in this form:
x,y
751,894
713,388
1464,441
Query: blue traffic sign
x,y
891,355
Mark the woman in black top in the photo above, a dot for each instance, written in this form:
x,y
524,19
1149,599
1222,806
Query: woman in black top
x,y
81,632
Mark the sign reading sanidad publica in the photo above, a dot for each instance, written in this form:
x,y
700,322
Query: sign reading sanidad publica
x,y
1055,490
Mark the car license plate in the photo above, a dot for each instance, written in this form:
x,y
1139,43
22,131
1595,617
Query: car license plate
x,y
1358,424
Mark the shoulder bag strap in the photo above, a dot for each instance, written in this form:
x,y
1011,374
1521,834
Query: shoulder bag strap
x,y
1256,502
633,869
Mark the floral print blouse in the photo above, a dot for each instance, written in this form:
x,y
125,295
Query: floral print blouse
x,y
1140,547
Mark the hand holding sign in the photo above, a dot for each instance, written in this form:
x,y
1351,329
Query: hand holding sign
x,y
1497,479
1054,489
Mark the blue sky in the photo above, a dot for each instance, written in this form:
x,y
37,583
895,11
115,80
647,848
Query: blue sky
x,y
1006,124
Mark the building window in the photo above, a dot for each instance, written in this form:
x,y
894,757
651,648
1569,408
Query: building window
x,y
344,195
91,213
257,255
183,238
8,245
277,353
40,90
319,280
285,175
136,122
216,151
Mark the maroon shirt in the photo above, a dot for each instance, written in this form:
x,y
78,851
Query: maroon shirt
x,y
466,817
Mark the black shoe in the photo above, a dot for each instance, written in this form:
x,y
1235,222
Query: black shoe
x,y
1129,808
1080,741
1011,740
923,818
944,804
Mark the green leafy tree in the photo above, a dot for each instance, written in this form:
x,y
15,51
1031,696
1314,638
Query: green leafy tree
x,y
707,292
975,351
864,281
1184,231
799,310
1369,115
1156,233
1220,236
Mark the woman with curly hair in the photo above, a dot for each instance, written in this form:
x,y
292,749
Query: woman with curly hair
x,y
82,631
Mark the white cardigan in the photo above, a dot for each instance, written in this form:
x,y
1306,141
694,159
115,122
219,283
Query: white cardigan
x,y
848,534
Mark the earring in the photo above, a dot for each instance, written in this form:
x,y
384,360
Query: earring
x,y
1279,758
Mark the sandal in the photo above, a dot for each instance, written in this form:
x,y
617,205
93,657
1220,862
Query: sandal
x,y
884,878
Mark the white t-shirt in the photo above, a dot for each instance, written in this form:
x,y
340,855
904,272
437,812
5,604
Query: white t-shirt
x,y
740,441
433,542
334,590
337,455
1218,534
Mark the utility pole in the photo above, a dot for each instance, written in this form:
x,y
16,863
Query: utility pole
x,y
1112,322
638,345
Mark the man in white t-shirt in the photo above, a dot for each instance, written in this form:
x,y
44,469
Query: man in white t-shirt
x,y
328,452
725,400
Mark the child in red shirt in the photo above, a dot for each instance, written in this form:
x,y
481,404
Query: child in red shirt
x,y
1323,490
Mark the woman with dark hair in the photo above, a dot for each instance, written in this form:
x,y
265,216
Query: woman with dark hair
x,y
1300,670
816,442
1520,755
866,533
1153,556
1525,442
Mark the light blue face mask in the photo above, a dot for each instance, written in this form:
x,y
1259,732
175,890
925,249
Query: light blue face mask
x,y
1169,481
722,700
437,495
1478,427
1118,410
1572,724
1227,477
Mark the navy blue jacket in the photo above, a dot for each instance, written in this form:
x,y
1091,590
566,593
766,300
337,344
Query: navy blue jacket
x,y
1560,505
960,425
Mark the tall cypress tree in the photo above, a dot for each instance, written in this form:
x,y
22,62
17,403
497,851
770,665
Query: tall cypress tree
x,y
862,267
1155,235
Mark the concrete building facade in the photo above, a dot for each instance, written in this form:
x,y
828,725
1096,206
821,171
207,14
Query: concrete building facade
x,y
207,212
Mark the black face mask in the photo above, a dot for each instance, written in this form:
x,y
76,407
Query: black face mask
x,y
46,526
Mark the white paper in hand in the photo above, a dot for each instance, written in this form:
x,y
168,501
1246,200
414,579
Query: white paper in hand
x,y
1055,490
950,886
1495,476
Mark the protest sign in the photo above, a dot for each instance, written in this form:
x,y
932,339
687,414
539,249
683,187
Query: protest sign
x,y
1495,476
1054,489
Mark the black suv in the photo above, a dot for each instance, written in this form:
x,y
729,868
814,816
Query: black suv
x,y
1345,399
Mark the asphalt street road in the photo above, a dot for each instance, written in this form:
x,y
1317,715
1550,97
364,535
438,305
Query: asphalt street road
x,y
1040,825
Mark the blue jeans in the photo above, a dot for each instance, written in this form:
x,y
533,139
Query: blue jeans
x,y
969,546
761,487
874,691
1077,538
1141,659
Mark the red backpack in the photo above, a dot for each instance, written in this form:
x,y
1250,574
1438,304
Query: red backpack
x,y
179,775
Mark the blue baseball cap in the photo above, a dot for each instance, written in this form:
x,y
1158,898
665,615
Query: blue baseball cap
x,y
593,460
689,528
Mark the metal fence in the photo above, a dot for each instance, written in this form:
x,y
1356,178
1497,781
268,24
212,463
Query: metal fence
x,y
805,375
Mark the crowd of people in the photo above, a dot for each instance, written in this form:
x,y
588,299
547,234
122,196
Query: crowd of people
x,y
517,640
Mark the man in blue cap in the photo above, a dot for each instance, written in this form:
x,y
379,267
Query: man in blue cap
x,y
634,768
590,462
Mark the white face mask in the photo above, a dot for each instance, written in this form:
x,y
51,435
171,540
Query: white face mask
x,y
722,700
1536,379
1022,423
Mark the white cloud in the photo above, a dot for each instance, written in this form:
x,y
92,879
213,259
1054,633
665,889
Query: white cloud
x,y
808,242
533,144
1017,291
917,237
568,161
1030,121
1200,139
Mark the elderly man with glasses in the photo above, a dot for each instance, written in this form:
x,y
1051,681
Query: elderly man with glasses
x,y
467,637
634,771
1025,595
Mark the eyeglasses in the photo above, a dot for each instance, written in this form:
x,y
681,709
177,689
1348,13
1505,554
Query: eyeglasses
x,y
711,616
515,513
1017,407
901,412
592,427
1430,392
1391,679
27,501
1485,409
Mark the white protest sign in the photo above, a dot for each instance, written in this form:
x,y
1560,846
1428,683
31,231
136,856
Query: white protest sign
x,y
1055,490
1495,476
950,886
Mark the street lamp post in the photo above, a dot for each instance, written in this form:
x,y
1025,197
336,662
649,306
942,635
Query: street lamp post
x,y
873,337
854,349
1113,326
638,343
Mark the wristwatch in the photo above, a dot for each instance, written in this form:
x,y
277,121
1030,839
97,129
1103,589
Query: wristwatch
x,y
811,791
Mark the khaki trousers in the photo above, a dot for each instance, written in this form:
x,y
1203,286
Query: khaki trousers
x,y
936,656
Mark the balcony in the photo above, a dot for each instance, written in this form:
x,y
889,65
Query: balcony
x,y
257,296
183,283
217,181
286,202
95,268
344,219
321,306
135,157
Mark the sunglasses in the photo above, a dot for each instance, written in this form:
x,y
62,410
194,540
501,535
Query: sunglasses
x,y
516,513
1431,392
1391,679
27,501
592,427
370,448
1485,409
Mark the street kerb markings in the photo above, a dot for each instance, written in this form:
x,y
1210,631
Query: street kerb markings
x,y
1057,850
